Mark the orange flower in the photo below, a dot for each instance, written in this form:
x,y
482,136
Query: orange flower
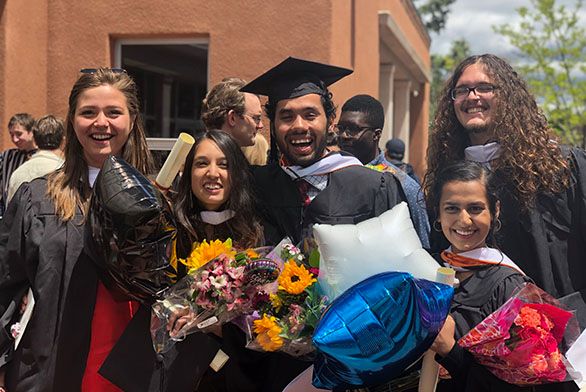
x,y
204,252
268,333
528,318
295,278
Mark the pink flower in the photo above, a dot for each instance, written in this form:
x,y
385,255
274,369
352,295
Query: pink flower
x,y
218,282
235,273
218,269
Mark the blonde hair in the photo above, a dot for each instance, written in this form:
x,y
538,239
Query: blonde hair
x,y
257,154
69,187
222,98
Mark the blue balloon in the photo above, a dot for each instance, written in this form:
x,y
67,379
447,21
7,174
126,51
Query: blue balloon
x,y
377,328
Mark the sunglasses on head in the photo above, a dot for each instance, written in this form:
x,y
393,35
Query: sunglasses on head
x,y
94,70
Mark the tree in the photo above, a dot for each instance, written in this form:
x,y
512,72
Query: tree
x,y
434,14
442,67
552,46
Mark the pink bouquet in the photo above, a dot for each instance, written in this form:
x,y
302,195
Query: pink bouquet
x,y
220,285
524,341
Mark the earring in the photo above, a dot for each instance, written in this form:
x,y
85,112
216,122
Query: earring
x,y
497,225
437,226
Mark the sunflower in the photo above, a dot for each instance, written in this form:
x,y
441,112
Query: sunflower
x,y
204,252
268,333
295,278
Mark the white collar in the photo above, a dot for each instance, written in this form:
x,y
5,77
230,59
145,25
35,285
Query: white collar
x,y
483,154
216,217
322,167
92,174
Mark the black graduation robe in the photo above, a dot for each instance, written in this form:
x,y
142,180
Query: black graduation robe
x,y
548,242
474,299
39,250
353,194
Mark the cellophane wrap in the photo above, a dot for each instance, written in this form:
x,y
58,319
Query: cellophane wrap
x,y
286,313
524,341
211,295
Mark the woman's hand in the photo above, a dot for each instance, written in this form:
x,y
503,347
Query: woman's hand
x,y
180,317
445,339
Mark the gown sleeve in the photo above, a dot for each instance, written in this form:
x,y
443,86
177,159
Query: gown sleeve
x,y
20,235
464,370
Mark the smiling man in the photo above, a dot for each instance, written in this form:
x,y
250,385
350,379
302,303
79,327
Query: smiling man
x,y
487,114
310,184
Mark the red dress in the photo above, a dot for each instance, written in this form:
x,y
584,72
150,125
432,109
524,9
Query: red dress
x,y
110,318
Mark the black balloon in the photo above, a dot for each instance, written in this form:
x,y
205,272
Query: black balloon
x,y
131,228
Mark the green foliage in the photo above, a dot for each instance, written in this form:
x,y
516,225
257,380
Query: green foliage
x,y
552,45
442,67
434,13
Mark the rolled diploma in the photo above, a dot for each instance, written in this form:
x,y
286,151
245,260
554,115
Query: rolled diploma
x,y
174,161
429,367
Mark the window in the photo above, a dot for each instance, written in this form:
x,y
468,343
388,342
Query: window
x,y
172,79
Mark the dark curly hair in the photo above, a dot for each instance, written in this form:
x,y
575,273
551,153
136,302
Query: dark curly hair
x,y
244,228
271,109
530,156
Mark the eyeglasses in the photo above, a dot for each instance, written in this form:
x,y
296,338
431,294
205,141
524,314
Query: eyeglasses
x,y
94,70
463,91
257,118
351,129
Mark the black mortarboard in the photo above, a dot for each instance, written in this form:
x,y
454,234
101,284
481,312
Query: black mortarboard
x,y
294,78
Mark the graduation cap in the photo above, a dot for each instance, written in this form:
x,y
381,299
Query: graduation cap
x,y
294,78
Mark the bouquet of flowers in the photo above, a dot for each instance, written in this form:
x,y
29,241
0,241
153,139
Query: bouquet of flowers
x,y
285,319
524,341
219,286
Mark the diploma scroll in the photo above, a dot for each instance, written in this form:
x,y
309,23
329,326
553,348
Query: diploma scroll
x,y
174,161
429,367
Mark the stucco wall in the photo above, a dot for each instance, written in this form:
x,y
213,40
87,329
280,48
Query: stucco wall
x,y
44,44
23,61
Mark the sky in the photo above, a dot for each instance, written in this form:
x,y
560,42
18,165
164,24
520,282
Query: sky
x,y
472,20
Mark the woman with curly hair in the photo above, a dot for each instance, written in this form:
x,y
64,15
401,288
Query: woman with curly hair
x,y
487,114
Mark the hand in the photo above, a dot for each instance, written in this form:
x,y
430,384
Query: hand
x,y
23,304
180,317
444,342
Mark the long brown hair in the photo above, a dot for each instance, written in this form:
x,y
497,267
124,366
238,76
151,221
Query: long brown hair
x,y
69,187
244,228
530,156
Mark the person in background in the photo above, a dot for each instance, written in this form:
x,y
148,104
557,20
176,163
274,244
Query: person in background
x,y
48,136
359,129
20,128
237,113
394,153
259,152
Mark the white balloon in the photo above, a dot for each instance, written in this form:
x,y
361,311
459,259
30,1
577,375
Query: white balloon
x,y
351,253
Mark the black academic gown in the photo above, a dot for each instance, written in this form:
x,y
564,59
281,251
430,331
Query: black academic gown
x,y
474,299
548,242
40,251
353,194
